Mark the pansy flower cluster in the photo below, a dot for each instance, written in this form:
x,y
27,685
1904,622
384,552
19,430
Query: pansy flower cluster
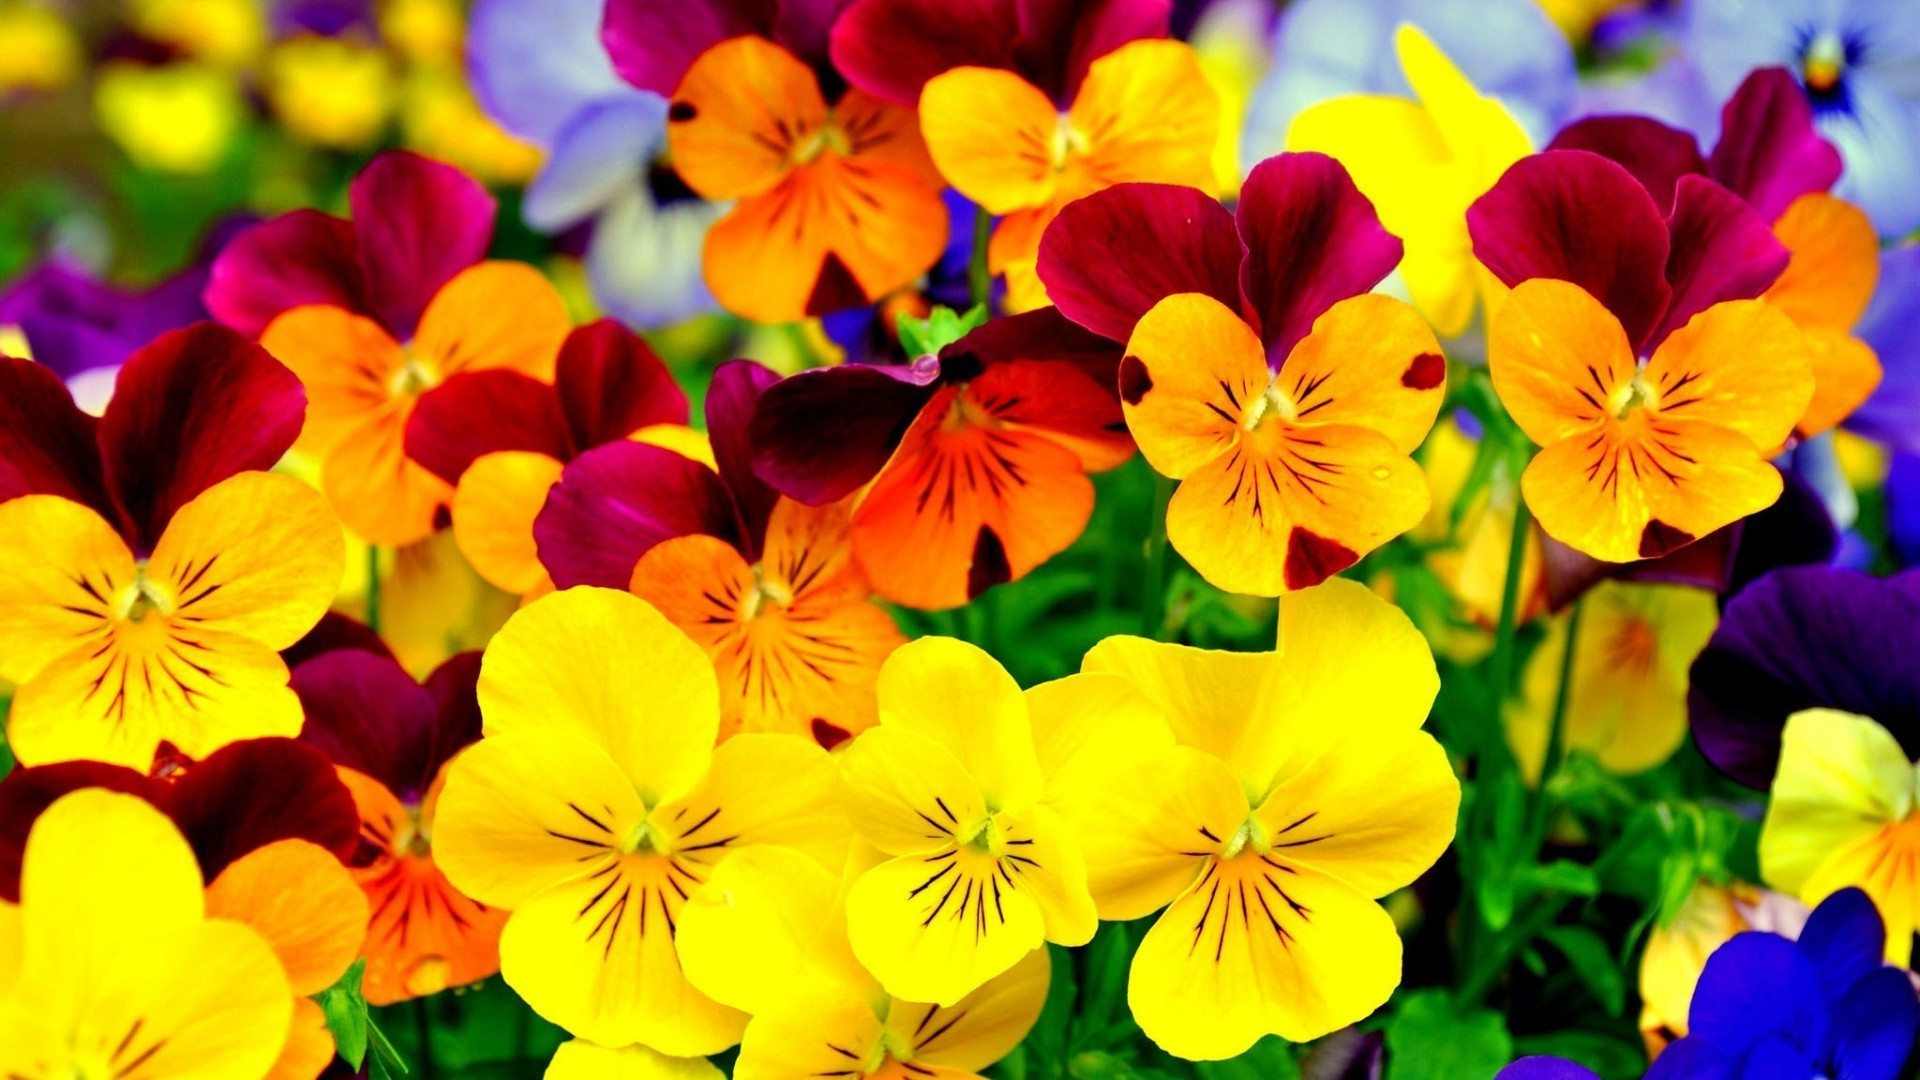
x,y
943,539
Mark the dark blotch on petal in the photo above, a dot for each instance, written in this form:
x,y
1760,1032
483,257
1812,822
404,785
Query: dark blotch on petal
x,y
682,111
1134,380
1312,558
829,735
1659,538
990,566
1427,371
836,289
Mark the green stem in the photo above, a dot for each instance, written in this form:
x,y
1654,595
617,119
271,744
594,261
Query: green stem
x,y
1491,963
373,588
1509,614
1153,618
979,277
1557,733
423,1024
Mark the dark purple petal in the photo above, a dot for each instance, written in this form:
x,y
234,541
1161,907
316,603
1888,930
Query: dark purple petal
x,y
652,44
456,710
480,412
890,48
1875,1023
1042,334
1756,987
418,222
1657,155
819,435
251,793
736,388
1312,240
334,631
614,502
1108,258
74,322
1545,1068
26,792
1720,250
611,384
1796,639
1060,38
305,257
1576,216
1795,531
47,444
1769,151
191,409
1845,938
365,712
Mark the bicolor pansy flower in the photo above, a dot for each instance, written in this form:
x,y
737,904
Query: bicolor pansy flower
x,y
1300,788
765,584
769,936
1027,105
596,804
391,739
968,468
1422,161
836,203
151,569
1259,371
1632,350
374,313
1771,154
113,965
502,437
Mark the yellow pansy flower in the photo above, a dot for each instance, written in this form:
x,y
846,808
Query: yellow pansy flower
x,y
1300,790
582,1060
109,966
596,803
1842,814
1422,162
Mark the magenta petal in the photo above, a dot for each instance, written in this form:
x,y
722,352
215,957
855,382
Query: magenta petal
x,y
419,222
652,43
614,502
1722,250
480,412
1060,38
1576,216
611,384
192,408
1044,334
890,48
334,631
735,390
819,435
46,443
26,793
305,257
1108,258
251,793
1312,240
1769,151
366,713
456,709
1657,155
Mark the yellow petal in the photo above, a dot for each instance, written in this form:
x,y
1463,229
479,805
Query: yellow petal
x,y
1253,951
1208,697
993,135
493,315
1481,136
982,1027
960,697
763,788
581,1060
607,668
1192,369
1147,113
493,510
300,899
934,928
767,934
1370,361
1557,357
1741,365
907,794
62,567
830,1039
1086,723
227,1011
1842,777
309,1048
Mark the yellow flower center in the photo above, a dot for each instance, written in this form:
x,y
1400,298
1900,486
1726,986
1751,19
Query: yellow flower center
x,y
1271,405
141,597
828,137
414,378
1634,396
1823,62
765,591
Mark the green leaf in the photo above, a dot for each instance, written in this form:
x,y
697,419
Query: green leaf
x,y
1104,990
1431,1038
942,327
1272,1058
1562,876
1047,1042
346,1011
1592,963
387,1064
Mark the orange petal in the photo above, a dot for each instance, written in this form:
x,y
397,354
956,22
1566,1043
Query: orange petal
x,y
303,902
492,315
1557,358
742,111
1845,374
995,137
1192,370
1834,266
493,510
1289,506
1740,364
1621,493
309,1048
965,505
1014,253
348,364
1371,361
1148,113
379,493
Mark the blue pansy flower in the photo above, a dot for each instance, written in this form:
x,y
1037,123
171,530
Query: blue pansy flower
x,y
1823,1006
540,70
1859,61
1546,1068
1326,48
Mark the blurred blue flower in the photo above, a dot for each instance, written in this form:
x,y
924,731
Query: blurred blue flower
x,y
539,69
1903,508
1545,1068
1859,61
1892,414
1823,1006
1325,48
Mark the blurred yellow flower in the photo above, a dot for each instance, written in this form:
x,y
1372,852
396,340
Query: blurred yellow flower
x,y
440,118
38,50
177,118
223,33
332,91
430,32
